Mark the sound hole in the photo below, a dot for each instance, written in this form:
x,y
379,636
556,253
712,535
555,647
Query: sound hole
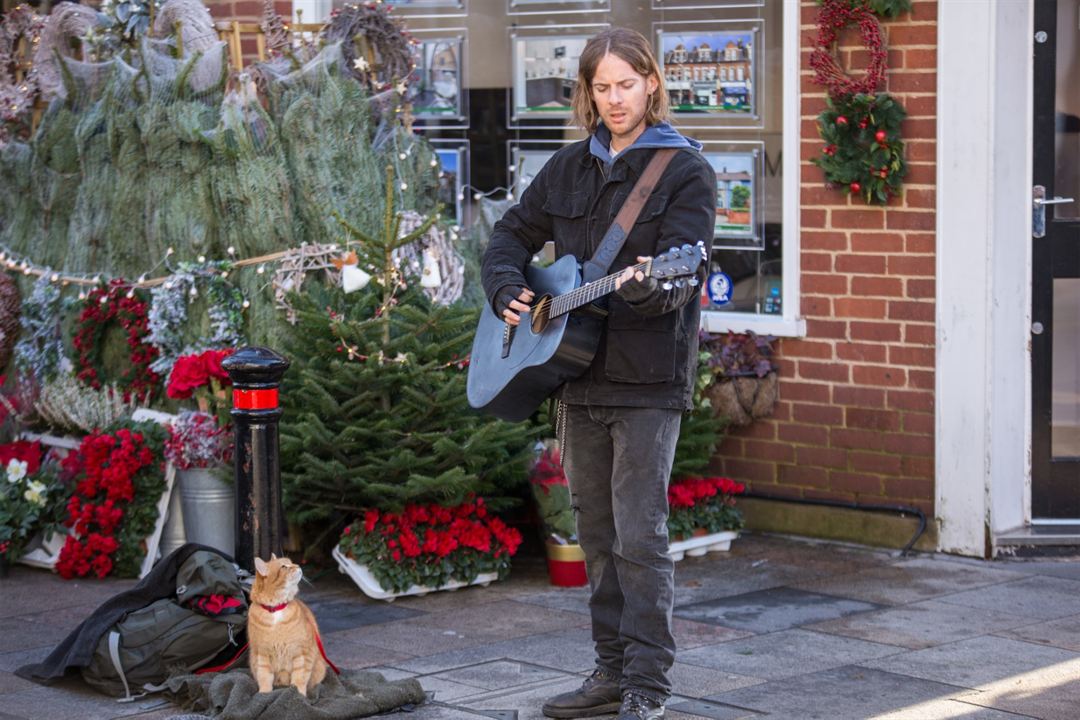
x,y
541,314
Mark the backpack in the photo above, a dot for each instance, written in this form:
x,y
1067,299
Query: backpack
x,y
204,619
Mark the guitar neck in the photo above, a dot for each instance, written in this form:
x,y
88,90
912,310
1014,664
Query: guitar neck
x,y
590,292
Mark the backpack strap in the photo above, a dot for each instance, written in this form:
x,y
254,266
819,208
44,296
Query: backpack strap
x,y
114,655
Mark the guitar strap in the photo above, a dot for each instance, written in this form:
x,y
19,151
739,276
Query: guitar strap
x,y
597,266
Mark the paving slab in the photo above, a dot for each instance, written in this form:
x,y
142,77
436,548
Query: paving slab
x,y
10,682
433,711
500,620
1062,633
707,709
1035,597
568,599
354,655
949,710
19,634
772,610
784,654
1049,693
691,634
1068,569
409,638
334,614
499,674
908,581
445,690
973,663
843,693
526,702
696,681
922,625
71,700
570,650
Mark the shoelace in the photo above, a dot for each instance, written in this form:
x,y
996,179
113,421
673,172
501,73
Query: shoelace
x,y
637,704
598,676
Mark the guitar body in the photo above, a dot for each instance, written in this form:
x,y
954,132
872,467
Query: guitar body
x,y
512,387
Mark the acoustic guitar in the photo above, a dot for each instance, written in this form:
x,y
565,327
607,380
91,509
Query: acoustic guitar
x,y
512,370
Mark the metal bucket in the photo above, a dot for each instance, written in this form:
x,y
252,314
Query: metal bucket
x,y
172,535
209,507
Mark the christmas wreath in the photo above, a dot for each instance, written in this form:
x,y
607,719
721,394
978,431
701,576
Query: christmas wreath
x,y
116,302
863,152
169,312
389,43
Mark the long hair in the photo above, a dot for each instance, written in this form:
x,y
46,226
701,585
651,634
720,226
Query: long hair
x,y
632,47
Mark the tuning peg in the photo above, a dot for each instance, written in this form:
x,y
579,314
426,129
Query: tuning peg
x,y
685,268
687,248
666,285
680,283
693,281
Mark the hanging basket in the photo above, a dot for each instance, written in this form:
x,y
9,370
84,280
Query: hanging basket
x,y
741,400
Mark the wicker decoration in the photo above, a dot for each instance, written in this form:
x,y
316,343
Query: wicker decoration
x,y
197,33
277,37
375,46
433,253
17,95
741,400
296,264
67,22
10,303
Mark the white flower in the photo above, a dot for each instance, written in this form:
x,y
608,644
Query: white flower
x,y
35,493
16,470
401,87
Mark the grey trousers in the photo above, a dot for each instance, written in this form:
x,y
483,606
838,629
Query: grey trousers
x,y
618,462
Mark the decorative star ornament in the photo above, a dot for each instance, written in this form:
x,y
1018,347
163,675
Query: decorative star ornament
x,y
360,64
401,87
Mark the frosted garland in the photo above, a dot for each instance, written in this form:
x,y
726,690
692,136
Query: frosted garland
x,y
40,350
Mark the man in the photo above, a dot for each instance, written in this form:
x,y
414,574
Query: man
x,y
620,420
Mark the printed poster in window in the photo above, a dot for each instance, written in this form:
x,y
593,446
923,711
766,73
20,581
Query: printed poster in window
x,y
436,80
738,222
545,74
451,181
710,72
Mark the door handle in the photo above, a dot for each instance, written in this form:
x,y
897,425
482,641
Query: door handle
x,y
1039,201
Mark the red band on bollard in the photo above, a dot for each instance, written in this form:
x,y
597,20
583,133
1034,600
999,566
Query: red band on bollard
x,y
255,399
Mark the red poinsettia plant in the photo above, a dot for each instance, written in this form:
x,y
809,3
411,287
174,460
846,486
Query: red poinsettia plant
x,y
430,545
551,490
204,438
201,376
706,503
118,481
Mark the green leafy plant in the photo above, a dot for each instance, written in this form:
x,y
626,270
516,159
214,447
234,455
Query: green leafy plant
x,y
32,497
551,491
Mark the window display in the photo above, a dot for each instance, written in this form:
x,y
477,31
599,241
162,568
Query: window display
x,y
435,82
545,69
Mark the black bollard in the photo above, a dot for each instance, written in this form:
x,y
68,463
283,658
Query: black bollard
x,y
256,373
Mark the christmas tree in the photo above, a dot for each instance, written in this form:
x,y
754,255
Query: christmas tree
x,y
375,407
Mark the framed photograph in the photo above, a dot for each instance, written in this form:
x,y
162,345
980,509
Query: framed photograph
x,y
740,221
555,7
544,75
704,4
453,158
526,159
711,72
438,8
435,83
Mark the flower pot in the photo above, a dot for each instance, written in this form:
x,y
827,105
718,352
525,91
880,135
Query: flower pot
x,y
208,505
44,551
743,399
172,535
370,586
697,545
566,565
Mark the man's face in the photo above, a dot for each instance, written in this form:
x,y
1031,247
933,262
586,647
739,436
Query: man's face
x,y
622,98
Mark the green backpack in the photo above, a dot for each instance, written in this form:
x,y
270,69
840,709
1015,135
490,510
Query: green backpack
x,y
148,645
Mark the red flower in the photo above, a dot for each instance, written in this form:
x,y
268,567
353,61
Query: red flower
x,y
191,372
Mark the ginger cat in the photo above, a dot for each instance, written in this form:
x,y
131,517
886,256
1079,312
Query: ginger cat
x,y
282,630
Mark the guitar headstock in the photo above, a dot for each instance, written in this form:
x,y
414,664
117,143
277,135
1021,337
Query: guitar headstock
x,y
676,264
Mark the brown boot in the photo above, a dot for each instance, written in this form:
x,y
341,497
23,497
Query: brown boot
x,y
598,695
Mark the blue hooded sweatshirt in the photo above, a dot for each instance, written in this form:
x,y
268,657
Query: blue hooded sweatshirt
x,y
660,135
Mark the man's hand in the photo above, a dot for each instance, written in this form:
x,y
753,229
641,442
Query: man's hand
x,y
513,305
628,274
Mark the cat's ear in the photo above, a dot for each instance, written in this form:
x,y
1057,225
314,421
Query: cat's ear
x,y
261,567
273,557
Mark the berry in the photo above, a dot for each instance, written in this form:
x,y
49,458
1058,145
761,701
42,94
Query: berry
x,y
880,136
855,187
841,120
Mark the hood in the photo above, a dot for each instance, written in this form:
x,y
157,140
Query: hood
x,y
660,135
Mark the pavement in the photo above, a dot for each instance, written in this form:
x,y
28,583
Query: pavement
x,y
777,628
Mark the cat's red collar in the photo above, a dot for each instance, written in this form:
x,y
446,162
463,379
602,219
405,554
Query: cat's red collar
x,y
274,608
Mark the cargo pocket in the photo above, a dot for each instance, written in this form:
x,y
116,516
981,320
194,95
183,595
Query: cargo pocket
x,y
640,349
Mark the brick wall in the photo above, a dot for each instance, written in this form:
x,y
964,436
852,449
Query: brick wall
x,y
855,420
247,11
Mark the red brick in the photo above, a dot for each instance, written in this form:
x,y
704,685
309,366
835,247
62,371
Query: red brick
x,y
820,195
248,9
861,352
761,429
748,470
778,491
803,475
918,127
920,243
876,243
805,434
917,467
730,445
859,308
822,284
921,151
921,174
920,400
856,439
918,58
920,488
861,264
834,372
913,220
858,219
774,451
919,334
922,288
920,106
919,356
856,396
797,391
879,376
877,286
826,329
822,240
921,379
876,463
816,306
909,444
808,349
910,310
922,423
921,265
864,419
822,457
923,199
876,331
816,262
858,483
812,218
818,414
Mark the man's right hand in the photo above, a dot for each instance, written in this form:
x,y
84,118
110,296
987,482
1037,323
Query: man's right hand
x,y
512,301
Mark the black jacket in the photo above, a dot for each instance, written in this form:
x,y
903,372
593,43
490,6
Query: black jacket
x,y
648,353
